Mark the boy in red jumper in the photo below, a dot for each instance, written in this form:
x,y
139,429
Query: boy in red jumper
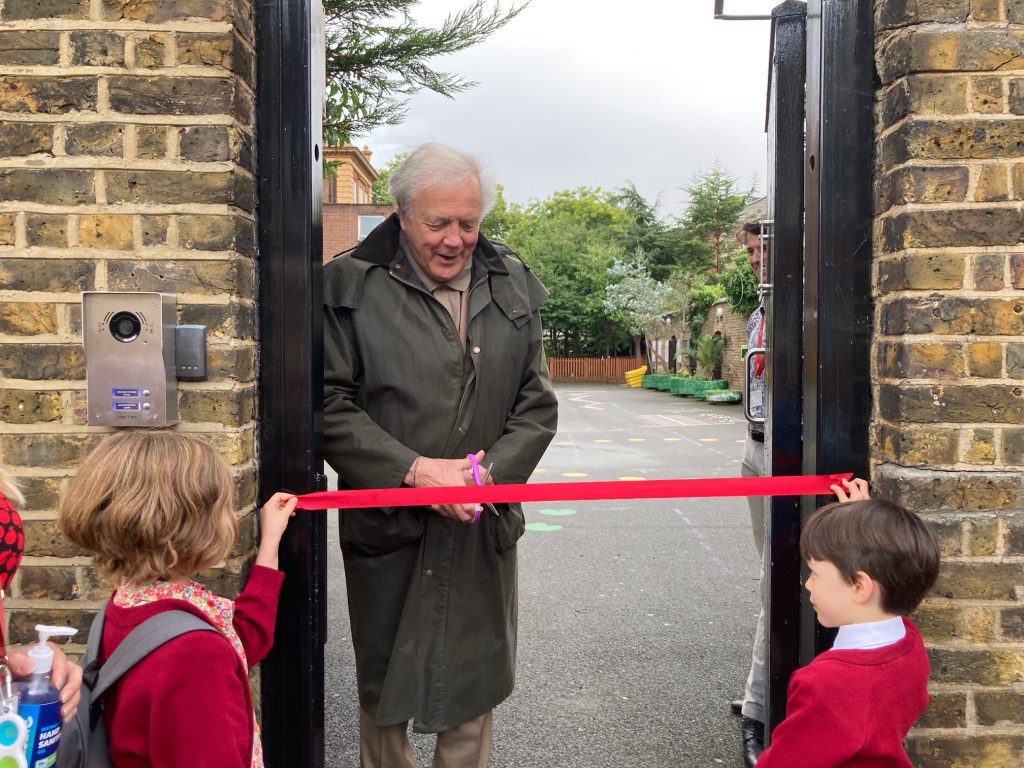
x,y
871,563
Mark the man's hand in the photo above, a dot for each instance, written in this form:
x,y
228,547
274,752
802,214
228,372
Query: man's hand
x,y
856,490
65,675
432,473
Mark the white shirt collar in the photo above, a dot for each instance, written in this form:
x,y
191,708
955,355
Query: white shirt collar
x,y
872,634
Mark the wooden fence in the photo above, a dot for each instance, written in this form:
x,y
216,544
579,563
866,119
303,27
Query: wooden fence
x,y
594,369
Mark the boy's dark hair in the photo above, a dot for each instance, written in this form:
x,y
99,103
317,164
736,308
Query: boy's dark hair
x,y
891,545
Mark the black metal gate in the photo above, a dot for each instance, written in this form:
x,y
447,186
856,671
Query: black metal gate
x,y
289,100
784,385
820,143
819,402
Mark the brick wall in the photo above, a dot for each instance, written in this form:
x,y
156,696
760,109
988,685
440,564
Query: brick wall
x,y
340,223
126,163
949,362
733,328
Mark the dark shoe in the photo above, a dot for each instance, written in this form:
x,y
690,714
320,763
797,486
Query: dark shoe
x,y
736,705
753,740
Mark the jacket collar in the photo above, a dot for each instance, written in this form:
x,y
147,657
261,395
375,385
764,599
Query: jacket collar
x,y
381,247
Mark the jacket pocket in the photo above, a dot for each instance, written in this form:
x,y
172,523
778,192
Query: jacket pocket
x,y
381,530
507,528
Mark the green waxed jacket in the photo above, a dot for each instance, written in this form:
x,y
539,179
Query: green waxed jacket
x,y
433,602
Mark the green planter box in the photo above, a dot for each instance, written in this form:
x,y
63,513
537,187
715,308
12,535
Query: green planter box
x,y
703,387
663,382
677,384
647,382
724,396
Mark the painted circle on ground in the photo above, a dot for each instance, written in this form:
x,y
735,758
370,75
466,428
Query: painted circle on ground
x,y
558,512
542,527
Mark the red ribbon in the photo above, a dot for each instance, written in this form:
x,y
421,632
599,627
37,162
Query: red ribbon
x,y
793,485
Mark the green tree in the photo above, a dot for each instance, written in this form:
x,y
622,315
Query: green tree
x,y
741,288
699,300
377,56
381,196
711,217
569,240
643,301
501,219
662,245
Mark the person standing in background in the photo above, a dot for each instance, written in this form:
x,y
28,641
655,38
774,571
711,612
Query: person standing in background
x,y
751,707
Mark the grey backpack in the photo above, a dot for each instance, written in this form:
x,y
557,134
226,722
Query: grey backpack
x,y
83,740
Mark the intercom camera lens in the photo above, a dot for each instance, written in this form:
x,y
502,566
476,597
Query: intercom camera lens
x,y
125,326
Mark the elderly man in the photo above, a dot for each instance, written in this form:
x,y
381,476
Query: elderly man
x,y
432,353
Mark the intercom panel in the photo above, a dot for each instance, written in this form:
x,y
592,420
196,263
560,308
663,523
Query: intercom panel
x,y
129,358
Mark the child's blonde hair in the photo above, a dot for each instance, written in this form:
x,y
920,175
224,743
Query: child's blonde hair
x,y
9,488
151,505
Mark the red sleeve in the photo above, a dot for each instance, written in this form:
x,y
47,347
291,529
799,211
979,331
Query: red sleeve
x,y
184,705
824,724
256,612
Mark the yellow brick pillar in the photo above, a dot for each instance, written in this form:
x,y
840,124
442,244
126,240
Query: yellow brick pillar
x,y
126,163
949,282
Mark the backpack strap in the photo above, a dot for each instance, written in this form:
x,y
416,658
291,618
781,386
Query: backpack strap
x,y
140,642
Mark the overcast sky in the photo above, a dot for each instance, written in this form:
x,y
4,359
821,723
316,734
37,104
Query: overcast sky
x,y
588,93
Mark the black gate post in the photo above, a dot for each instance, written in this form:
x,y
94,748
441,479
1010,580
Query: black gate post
x,y
289,93
838,307
784,372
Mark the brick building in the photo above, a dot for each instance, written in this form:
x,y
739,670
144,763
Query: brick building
x,y
127,163
349,213
731,326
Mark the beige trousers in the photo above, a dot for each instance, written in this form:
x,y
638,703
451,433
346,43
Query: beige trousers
x,y
467,745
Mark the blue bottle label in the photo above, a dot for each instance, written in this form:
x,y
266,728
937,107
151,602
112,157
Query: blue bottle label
x,y
43,733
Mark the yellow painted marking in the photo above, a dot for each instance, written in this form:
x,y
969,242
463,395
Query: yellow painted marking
x,y
602,440
709,439
631,477
741,441
638,439
574,474
672,439
564,442
539,469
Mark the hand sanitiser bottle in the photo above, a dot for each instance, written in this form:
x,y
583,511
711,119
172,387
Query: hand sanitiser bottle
x,y
39,702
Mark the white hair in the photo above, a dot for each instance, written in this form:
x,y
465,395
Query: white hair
x,y
435,165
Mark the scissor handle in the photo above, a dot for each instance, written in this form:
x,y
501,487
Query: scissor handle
x,y
475,467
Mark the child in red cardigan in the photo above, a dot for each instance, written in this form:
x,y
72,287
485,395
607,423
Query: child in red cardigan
x,y
871,563
155,507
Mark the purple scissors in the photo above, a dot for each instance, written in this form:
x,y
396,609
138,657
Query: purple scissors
x,y
475,469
